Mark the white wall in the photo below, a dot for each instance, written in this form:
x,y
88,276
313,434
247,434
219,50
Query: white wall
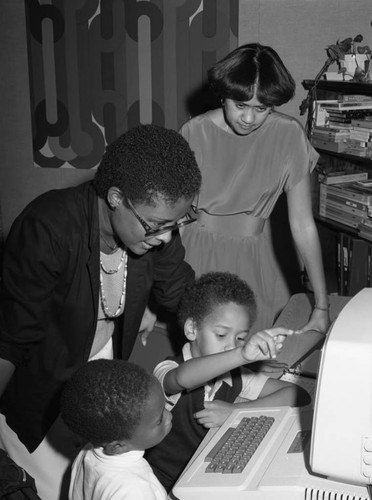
x,y
300,30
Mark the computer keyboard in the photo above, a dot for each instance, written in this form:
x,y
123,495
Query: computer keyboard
x,y
196,482
237,446
278,470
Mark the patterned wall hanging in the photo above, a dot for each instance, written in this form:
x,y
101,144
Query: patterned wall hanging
x,y
100,67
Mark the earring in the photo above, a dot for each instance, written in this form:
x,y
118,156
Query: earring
x,y
222,102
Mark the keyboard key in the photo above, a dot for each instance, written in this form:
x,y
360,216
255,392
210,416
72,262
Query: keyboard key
x,y
236,447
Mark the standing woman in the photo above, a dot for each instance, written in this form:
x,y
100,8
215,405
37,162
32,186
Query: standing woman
x,y
248,154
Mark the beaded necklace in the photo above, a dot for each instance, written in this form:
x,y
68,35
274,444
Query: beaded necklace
x,y
124,256
106,310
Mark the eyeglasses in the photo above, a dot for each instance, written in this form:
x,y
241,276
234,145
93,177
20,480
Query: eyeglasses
x,y
150,231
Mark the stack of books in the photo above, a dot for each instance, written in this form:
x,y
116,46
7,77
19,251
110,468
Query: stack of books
x,y
364,122
343,176
329,138
348,203
344,125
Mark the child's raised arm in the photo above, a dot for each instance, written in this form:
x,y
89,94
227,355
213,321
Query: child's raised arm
x,y
197,371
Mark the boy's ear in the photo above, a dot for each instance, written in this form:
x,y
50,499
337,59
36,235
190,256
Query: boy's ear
x,y
190,329
116,447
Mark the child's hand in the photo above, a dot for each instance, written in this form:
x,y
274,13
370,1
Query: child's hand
x,y
214,413
266,344
268,366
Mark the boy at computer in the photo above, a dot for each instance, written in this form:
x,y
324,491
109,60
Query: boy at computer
x,y
120,409
203,383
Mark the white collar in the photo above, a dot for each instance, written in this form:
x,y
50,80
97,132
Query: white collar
x,y
129,456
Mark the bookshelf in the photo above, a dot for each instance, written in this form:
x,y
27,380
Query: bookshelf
x,y
337,239
338,87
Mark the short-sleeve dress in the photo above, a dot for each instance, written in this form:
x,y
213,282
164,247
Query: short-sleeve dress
x,y
242,179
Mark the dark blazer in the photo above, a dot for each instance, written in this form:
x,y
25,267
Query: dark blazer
x,y
48,312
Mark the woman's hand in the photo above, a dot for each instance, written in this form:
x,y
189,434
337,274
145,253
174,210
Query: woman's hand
x,y
147,325
214,414
319,321
265,344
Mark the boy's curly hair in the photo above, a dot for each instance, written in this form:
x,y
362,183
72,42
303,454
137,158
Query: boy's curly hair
x,y
104,400
147,161
213,289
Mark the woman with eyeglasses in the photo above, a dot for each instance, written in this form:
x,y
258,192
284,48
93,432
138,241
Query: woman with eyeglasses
x,y
249,154
79,267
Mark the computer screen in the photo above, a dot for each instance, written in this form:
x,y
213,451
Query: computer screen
x,y
341,442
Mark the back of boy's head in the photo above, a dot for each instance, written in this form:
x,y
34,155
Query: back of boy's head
x,y
213,289
104,400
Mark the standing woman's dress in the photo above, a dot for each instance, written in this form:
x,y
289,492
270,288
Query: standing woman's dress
x,y
242,178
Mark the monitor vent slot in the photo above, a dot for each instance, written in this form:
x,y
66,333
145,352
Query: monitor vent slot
x,y
318,494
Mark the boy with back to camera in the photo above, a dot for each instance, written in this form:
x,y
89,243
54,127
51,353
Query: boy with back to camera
x,y
203,383
120,409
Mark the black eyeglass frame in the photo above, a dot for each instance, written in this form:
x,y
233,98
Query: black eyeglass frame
x,y
150,231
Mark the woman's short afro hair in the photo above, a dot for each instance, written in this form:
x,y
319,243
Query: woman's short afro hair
x,y
147,161
103,401
211,290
